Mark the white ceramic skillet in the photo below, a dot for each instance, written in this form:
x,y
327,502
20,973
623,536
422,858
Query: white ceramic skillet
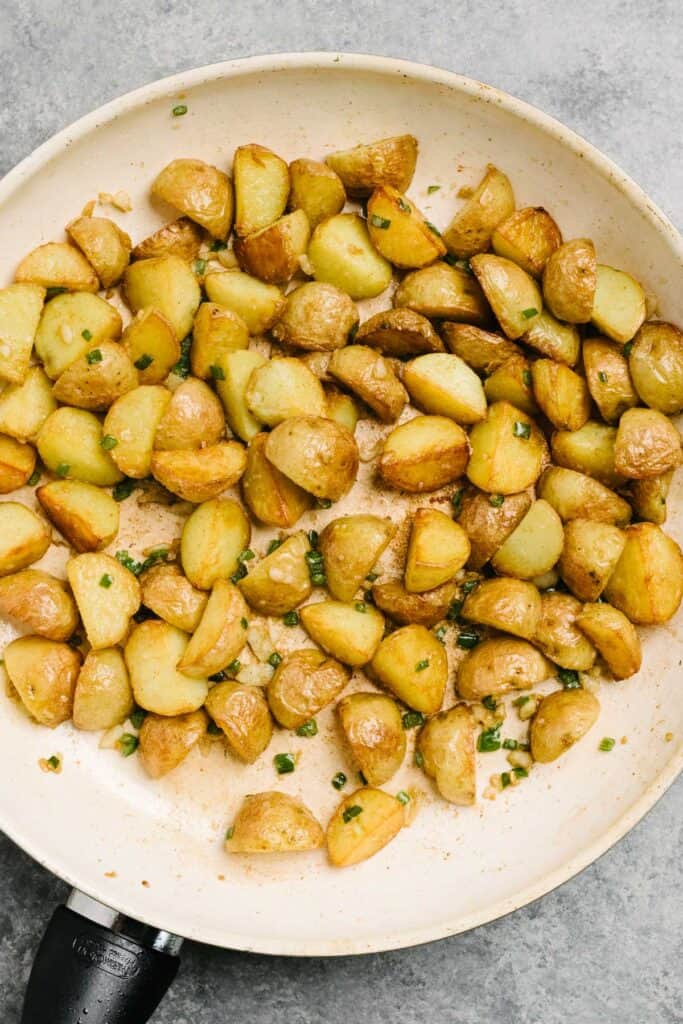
x,y
153,850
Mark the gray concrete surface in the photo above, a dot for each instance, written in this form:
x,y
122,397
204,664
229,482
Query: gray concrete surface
x,y
607,946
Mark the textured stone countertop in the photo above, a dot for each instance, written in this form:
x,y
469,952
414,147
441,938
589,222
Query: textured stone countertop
x,y
608,945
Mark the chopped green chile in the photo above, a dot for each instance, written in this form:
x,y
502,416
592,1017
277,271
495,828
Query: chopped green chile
x,y
412,719
339,780
380,222
489,703
569,678
128,744
308,729
291,619
352,812
607,744
522,430
284,764
403,797
467,639
489,740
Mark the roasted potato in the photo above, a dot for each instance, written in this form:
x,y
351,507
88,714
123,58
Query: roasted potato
x,y
351,633
577,496
588,450
273,822
399,332
70,325
446,744
437,549
213,537
412,664
271,497
619,306
96,380
107,596
237,369
342,254
558,635
70,445
316,453
283,388
17,462
511,382
445,292
281,580
481,350
180,237
273,253
362,825
261,188
399,230
20,309
24,537
510,605
57,265
508,451
500,665
561,394
166,742
216,332
40,603
648,497
220,635
201,474
242,713
343,409
558,341
570,280
168,284
528,237
103,697
104,245
350,546
563,717
424,454
489,523
385,162
171,596
656,365
132,421
615,638
316,189
591,551
405,608
608,378
200,191
152,654
318,317
513,294
367,373
44,673
534,546
260,305
303,684
372,727
443,384
491,203
25,407
85,515
647,583
192,419
647,444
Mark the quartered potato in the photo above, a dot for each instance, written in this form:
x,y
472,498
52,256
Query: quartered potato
x,y
281,580
424,454
399,332
510,605
445,292
562,718
343,409
237,369
556,340
166,742
40,603
85,515
107,596
372,727
271,497
399,230
362,825
193,418
608,378
349,632
350,547
57,265
220,635
273,253
103,697
619,306
508,451
260,305
242,713
96,380
385,162
213,537
200,191
577,496
647,583
559,637
181,237
511,382
534,546
17,462
152,654
151,342
588,450
366,372
590,554
171,596
342,254
24,537
316,453
318,317
482,351
647,444
447,746
648,497
20,309
70,325
428,608
316,189
437,549
491,203
273,822
216,332
132,421
528,237
501,665
70,445
570,281
261,188
304,683
200,474
104,245
412,664
489,523
513,294
656,365
283,388
44,673
561,394
167,284
615,638
443,384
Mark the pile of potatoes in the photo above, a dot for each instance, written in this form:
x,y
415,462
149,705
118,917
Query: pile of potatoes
x,y
521,400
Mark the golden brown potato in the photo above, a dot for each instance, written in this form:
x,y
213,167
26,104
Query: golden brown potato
x,y
482,351
342,254
283,388
304,683
271,496
70,445
424,454
17,462
318,317
273,822
316,189
96,380
619,306
166,742
70,325
104,245
200,191
171,596
427,609
528,237
613,635
556,340
20,309
216,332
443,291
608,378
508,451
446,744
647,444
588,450
44,673
152,654
349,632
281,580
350,547
85,515
260,305
220,635
647,584
561,394
511,382
510,605
366,372
399,332
57,265
193,418
385,162
514,295
317,454
412,664
261,188
563,717
343,409
24,537
213,537
591,551
648,497
40,603
534,546
372,727
103,697
362,825
491,203
25,407
399,230
168,284
107,596
489,523
569,281
237,369
179,238
437,549
500,665
443,384
577,496
558,635
202,474
242,713
273,253
656,365
132,421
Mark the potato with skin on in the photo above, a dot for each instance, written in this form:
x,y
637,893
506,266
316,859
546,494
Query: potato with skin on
x,y
24,537
483,351
343,409
44,673
216,332
237,369
192,419
260,305
589,450
316,453
168,284
412,664
514,295
501,665
424,454
648,497
281,580
85,515
447,746
181,237
280,389
511,383
107,595
354,835
399,231
261,180
569,281
656,365
304,683
558,635
342,254
71,324
201,474
97,379
400,333
103,696
213,537
366,372
385,162
318,318
590,554
491,203
556,340
273,253
563,717
528,237
578,496
220,635
17,462
437,549
508,451
372,727
200,191
270,496
104,244
510,605
427,609
171,596
20,309
133,420
316,189
445,292
273,822
57,265
243,715
149,335
561,394
647,444
166,742
40,602
25,407
647,583
619,306
608,378
152,653
344,631
487,524
350,547
534,546
614,636
70,445
444,385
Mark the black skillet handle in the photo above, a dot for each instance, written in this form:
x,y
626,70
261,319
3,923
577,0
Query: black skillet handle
x,y
87,973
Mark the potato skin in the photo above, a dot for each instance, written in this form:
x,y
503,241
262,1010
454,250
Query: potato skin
x,y
350,546
271,497
491,203
489,525
563,718
511,383
399,231
511,292
220,635
171,596
40,602
446,744
242,713
574,495
103,696
212,538
647,444
24,537
445,292
427,609
372,726
192,419
561,394
281,580
260,305
437,549
343,630
318,318
215,333
569,281
396,663
304,683
168,284
104,244
181,237
272,254
647,583
656,365
354,840
612,634
316,189
558,636
273,822
385,162
44,674
96,386
591,551
201,474
166,742
483,351
57,265
399,332
501,665
608,378
424,454
17,462
589,450
261,187
648,497
510,605
366,372
550,337
317,454
198,190
529,237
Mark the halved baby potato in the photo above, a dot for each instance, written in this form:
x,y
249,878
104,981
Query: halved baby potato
x,y
447,746
271,497
483,351
647,444
399,332
534,546
508,604
488,523
561,394
619,306
213,537
569,281
200,191
508,451
424,454
261,187
20,309
574,495
151,342
656,365
511,382
444,385
44,673
316,189
132,421
166,283
104,244
491,203
437,549
103,697
25,407
590,554
563,717
614,636
648,497
216,332
445,292
318,318
171,596
304,683
316,453
372,727
528,237
273,254
41,603
97,379
192,419
647,583
242,713
201,474
152,654
107,596
399,231
385,162
57,265
260,305
342,254
366,372
513,294
412,664
24,537
220,635
608,378
281,580
343,409
283,388
559,637
181,237
362,825
589,450
85,515
237,369
273,822
501,665
350,547
428,608
166,742
70,445
556,340
70,325
17,462
347,632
